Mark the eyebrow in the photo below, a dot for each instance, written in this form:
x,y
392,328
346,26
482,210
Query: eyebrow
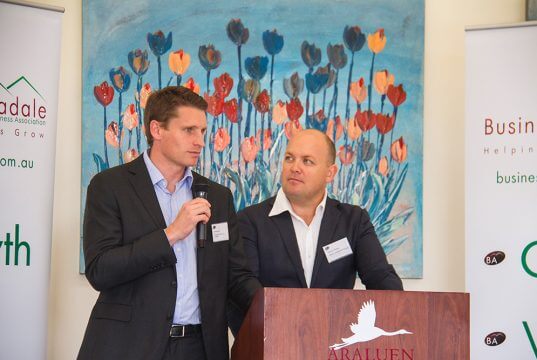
x,y
187,126
307,156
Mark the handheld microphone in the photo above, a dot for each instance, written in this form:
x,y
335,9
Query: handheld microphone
x,y
201,190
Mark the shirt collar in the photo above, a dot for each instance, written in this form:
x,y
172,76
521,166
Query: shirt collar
x,y
157,177
282,204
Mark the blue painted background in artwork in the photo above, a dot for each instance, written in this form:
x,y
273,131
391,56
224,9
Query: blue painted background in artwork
x,y
391,189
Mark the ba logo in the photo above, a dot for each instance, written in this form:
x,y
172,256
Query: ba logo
x,y
495,338
494,258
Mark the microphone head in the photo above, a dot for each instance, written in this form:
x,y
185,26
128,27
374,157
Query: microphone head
x,y
200,188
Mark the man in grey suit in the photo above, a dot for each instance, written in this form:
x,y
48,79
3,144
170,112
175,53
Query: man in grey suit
x,y
303,239
162,294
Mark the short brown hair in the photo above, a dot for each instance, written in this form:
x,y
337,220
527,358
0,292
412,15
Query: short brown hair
x,y
162,105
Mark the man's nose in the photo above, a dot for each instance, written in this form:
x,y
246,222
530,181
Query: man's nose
x,y
200,139
295,167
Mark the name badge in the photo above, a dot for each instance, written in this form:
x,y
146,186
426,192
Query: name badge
x,y
220,232
337,250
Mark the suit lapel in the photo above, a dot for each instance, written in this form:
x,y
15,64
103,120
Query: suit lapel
x,y
326,234
284,224
141,182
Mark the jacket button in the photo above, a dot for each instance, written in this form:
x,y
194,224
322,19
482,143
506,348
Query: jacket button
x,y
174,284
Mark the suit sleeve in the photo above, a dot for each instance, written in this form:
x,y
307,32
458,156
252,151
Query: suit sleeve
x,y
109,261
248,232
242,282
372,266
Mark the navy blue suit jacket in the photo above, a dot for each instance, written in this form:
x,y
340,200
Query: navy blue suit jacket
x,y
273,255
272,249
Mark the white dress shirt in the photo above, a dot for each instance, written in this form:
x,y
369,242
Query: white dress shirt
x,y
307,236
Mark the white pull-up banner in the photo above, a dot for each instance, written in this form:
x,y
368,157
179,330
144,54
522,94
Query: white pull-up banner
x,y
29,73
501,191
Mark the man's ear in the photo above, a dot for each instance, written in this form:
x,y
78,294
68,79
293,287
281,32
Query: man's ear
x,y
155,129
332,171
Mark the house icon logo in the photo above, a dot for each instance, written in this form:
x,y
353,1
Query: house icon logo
x,y
23,82
22,104
365,329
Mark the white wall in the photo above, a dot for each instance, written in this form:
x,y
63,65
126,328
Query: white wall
x,y
71,297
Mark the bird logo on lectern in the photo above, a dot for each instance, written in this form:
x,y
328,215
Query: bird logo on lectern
x,y
365,329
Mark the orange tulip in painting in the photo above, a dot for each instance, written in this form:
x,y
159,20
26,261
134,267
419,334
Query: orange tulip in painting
x,y
359,90
376,41
291,128
330,128
249,149
112,134
383,79
221,139
279,112
399,150
179,61
353,130
267,138
144,94
383,166
346,154
130,117
192,85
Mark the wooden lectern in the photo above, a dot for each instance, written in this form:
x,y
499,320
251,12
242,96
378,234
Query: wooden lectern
x,y
309,324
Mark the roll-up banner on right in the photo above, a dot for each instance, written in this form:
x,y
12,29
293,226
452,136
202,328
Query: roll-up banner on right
x,y
501,190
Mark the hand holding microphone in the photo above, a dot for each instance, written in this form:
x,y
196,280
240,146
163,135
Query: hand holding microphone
x,y
194,212
201,191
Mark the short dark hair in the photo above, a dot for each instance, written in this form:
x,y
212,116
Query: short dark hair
x,y
162,105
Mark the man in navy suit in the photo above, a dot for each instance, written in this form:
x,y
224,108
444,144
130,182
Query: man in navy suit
x,y
303,239
162,294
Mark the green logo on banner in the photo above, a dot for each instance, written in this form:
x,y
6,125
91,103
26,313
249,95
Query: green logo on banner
x,y
530,337
13,250
23,79
525,257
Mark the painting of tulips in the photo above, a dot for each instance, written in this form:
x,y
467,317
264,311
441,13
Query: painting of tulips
x,y
352,69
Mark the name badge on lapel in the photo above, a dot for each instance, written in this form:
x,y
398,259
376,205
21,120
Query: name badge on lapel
x,y
337,250
220,232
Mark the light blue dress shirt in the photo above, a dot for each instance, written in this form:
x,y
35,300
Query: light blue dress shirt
x,y
187,303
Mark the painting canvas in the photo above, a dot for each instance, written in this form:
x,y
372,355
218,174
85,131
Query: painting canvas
x,y
352,69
